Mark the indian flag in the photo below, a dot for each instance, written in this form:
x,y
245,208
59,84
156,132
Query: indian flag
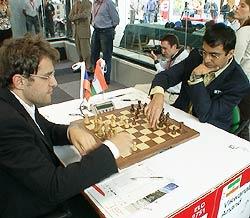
x,y
99,83
233,186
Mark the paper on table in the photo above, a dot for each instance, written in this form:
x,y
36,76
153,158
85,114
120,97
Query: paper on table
x,y
124,195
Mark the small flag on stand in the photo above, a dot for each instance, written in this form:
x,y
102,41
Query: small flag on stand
x,y
97,85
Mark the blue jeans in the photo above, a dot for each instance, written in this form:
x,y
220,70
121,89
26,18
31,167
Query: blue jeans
x,y
102,41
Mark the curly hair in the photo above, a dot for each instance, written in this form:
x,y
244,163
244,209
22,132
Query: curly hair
x,y
22,56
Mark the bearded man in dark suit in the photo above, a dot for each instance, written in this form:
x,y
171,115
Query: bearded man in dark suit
x,y
32,180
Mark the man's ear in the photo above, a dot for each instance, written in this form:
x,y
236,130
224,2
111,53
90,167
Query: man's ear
x,y
18,81
231,53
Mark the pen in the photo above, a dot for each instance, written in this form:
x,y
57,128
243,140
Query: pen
x,y
98,189
116,96
129,99
147,177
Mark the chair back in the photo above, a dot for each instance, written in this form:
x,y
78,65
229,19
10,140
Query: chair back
x,y
235,119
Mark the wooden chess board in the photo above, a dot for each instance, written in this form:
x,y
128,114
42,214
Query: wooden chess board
x,y
148,141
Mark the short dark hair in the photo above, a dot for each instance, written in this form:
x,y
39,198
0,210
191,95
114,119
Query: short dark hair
x,y
172,40
22,56
220,34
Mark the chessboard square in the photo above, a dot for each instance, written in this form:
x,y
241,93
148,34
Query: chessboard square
x,y
119,129
159,132
125,112
146,131
142,146
137,134
109,116
91,126
166,137
125,154
152,135
174,135
141,121
144,138
132,136
173,126
132,130
146,125
158,140
139,128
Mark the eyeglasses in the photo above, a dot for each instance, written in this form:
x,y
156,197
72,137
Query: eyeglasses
x,y
49,77
203,53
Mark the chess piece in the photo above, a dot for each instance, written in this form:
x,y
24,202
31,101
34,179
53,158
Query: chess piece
x,y
126,125
133,147
160,124
113,123
173,132
100,132
122,120
86,119
134,121
181,126
132,108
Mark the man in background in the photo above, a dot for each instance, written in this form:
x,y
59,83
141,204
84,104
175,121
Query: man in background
x,y
80,15
49,12
171,53
30,10
105,18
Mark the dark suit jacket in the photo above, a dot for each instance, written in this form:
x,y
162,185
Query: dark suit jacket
x,y
32,181
212,104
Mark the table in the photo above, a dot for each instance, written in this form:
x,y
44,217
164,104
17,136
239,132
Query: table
x,y
140,34
206,177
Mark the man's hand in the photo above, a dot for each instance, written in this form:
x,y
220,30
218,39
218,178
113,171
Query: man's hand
x,y
154,108
202,69
153,56
123,141
80,138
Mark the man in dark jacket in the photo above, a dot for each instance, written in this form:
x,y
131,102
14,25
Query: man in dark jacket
x,y
212,82
32,180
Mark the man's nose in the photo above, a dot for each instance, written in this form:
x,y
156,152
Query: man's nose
x,y
54,82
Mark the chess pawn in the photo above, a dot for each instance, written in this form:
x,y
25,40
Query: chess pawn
x,y
122,120
86,119
100,132
126,125
133,147
113,123
132,108
173,132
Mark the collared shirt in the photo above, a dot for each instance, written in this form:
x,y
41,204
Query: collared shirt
x,y
104,14
160,90
30,8
30,109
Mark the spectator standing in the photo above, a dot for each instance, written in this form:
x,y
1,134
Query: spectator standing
x,y
207,9
214,10
49,12
5,25
242,56
30,10
133,10
105,18
80,15
151,10
225,9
